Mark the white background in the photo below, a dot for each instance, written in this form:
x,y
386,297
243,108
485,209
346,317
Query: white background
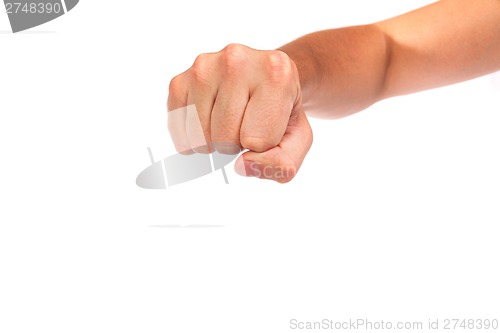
x,y
393,216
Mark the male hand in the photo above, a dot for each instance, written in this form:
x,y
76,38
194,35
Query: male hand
x,y
248,99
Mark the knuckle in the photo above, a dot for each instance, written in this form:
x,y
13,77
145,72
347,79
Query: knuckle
x,y
176,91
201,61
183,148
175,86
280,66
257,144
233,58
201,66
226,147
234,50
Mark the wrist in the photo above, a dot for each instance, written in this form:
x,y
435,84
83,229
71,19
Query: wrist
x,y
306,66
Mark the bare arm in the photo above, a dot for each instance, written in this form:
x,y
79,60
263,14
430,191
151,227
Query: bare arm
x,y
343,71
257,100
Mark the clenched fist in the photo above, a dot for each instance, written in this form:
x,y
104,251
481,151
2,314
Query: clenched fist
x,y
243,99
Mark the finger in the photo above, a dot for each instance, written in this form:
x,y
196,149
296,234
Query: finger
x,y
197,136
176,105
227,116
265,120
271,103
177,130
198,118
203,86
282,162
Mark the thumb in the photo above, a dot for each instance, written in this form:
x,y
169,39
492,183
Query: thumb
x,y
282,162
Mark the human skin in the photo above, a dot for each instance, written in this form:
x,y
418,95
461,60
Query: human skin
x,y
258,99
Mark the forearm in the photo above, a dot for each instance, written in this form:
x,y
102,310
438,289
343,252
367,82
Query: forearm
x,y
345,70
342,71
446,42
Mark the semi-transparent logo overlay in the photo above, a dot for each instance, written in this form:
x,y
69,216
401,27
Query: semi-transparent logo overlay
x,y
25,15
197,157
